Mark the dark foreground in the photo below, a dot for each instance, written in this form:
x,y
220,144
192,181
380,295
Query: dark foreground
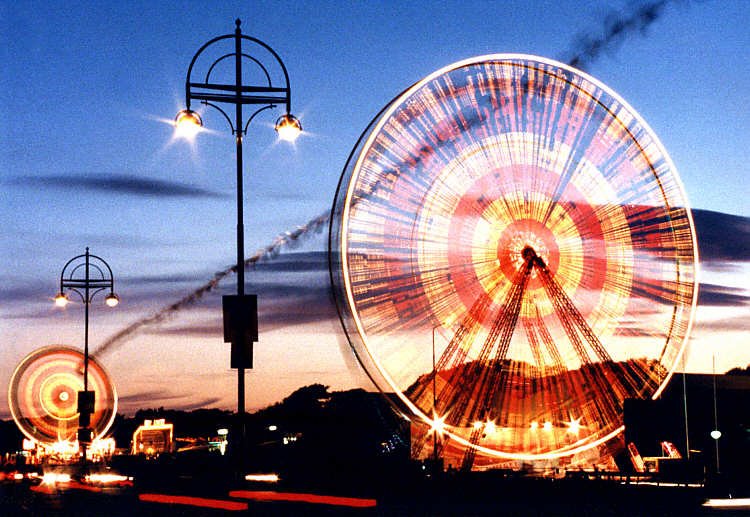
x,y
449,495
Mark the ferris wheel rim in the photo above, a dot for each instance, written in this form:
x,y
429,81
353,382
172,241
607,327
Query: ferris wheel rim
x,y
35,355
371,133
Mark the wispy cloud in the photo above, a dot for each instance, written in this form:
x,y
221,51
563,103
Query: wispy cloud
x,y
148,395
293,286
197,404
722,296
193,329
123,184
134,401
298,262
722,237
737,323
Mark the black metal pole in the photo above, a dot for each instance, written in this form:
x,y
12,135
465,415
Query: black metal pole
x,y
86,345
86,287
86,328
685,406
434,408
716,412
240,231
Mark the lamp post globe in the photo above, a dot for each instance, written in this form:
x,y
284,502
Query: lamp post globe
x,y
112,300
61,299
187,124
288,127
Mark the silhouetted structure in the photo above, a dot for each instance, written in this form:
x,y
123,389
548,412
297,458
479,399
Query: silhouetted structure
x,y
648,423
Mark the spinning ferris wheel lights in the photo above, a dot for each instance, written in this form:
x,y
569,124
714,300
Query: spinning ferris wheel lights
x,y
529,214
43,395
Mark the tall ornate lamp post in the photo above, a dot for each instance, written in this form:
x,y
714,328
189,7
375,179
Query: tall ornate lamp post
x,y
86,275
240,311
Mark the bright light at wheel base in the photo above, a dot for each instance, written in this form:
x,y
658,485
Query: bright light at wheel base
x,y
437,424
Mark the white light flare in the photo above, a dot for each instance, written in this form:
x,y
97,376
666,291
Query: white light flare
x,y
288,127
50,478
61,300
107,479
187,125
437,424
574,426
263,478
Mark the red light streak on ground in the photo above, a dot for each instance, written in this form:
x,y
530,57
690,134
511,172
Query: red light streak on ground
x,y
202,502
45,488
267,495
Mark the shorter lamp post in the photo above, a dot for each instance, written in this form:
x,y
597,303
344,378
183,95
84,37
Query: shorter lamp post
x,y
438,423
86,275
434,403
715,433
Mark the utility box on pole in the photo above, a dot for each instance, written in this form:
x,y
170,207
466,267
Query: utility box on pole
x,y
241,327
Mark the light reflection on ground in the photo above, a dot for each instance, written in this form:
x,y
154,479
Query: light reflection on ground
x,y
267,495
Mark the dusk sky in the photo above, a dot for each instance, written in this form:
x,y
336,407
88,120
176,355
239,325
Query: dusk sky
x,y
87,158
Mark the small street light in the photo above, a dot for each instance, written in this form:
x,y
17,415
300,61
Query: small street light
x,y
86,275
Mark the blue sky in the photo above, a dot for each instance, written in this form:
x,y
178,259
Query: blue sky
x,y
87,159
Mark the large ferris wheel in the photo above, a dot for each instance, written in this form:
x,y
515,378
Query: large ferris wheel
x,y
513,256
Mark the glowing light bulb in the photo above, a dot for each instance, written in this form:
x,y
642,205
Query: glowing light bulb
x,y
574,426
61,300
112,300
187,124
288,127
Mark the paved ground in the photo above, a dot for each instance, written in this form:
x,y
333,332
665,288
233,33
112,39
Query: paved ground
x,y
440,499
